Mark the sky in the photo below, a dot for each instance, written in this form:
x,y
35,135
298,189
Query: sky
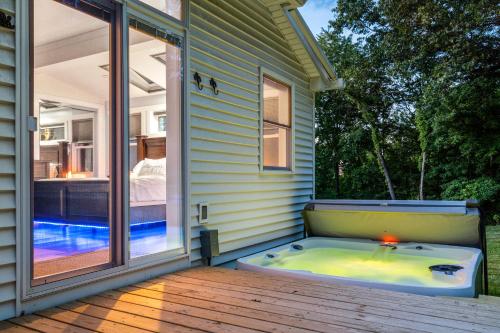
x,y
317,13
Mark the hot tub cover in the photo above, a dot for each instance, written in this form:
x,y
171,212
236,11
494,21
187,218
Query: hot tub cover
x,y
436,222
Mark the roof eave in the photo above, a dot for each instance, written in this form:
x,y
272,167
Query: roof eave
x,y
326,70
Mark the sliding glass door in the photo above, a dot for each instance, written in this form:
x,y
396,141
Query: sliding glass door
x,y
155,90
72,173
82,188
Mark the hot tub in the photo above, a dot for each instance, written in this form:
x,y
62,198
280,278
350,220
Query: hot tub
x,y
424,247
420,268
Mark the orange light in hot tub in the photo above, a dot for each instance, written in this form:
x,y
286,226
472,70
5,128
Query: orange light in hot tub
x,y
390,239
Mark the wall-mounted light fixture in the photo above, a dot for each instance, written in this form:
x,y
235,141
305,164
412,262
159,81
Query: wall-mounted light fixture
x,y
213,84
6,21
197,79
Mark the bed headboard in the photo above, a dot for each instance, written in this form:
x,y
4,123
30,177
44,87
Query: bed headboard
x,y
153,148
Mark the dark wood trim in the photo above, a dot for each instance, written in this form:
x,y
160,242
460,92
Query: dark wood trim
x,y
141,147
117,133
153,148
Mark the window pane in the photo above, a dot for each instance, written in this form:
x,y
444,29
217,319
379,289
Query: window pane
x,y
155,179
276,102
52,132
83,130
71,222
276,146
170,7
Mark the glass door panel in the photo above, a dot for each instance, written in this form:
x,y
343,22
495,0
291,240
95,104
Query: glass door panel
x,y
71,220
155,85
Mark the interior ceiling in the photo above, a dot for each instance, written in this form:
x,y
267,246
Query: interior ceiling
x,y
60,22
84,74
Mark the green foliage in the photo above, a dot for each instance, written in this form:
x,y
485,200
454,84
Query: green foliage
x,y
484,189
421,76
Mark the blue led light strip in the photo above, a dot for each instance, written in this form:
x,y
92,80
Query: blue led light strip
x,y
61,224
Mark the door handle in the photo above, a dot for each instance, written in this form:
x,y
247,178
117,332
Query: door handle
x,y
32,124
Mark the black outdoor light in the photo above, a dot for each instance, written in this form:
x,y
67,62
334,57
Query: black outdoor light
x,y
213,84
197,78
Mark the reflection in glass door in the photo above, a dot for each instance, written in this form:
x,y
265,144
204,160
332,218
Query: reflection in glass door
x,y
71,220
155,180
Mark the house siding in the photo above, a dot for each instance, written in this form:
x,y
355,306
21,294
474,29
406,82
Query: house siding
x,y
229,41
252,210
7,167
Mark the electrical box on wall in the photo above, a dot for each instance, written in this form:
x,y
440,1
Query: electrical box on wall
x,y
203,212
209,240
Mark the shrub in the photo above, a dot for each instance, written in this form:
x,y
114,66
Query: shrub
x,y
484,189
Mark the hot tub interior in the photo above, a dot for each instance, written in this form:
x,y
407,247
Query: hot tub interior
x,y
425,247
404,264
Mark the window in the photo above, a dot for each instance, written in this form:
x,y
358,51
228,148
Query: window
x,y
161,118
52,132
173,8
277,124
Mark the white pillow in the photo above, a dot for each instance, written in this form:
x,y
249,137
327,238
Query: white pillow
x,y
154,167
137,168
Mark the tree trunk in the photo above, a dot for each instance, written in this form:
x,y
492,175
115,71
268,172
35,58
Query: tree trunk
x,y
387,176
380,156
337,178
422,175
370,119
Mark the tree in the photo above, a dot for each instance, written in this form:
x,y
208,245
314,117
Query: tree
x,y
423,84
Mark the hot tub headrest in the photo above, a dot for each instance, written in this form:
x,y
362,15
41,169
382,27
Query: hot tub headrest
x,y
438,222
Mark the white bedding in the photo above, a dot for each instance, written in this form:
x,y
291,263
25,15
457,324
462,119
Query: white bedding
x,y
148,183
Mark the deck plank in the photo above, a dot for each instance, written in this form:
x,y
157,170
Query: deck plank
x,y
399,319
321,288
416,309
208,299
166,311
138,295
7,327
133,317
41,324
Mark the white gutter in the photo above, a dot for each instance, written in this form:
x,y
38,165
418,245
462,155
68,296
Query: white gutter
x,y
329,79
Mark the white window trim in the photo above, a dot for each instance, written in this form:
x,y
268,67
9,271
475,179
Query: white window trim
x,y
263,71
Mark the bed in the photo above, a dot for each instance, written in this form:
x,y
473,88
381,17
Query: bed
x,y
148,191
148,180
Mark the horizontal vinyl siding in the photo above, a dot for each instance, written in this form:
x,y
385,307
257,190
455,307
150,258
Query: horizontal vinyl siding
x,y
253,211
7,168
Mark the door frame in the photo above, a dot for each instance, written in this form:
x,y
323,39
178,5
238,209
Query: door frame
x,y
25,291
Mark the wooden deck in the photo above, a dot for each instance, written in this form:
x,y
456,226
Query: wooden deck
x,y
222,300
